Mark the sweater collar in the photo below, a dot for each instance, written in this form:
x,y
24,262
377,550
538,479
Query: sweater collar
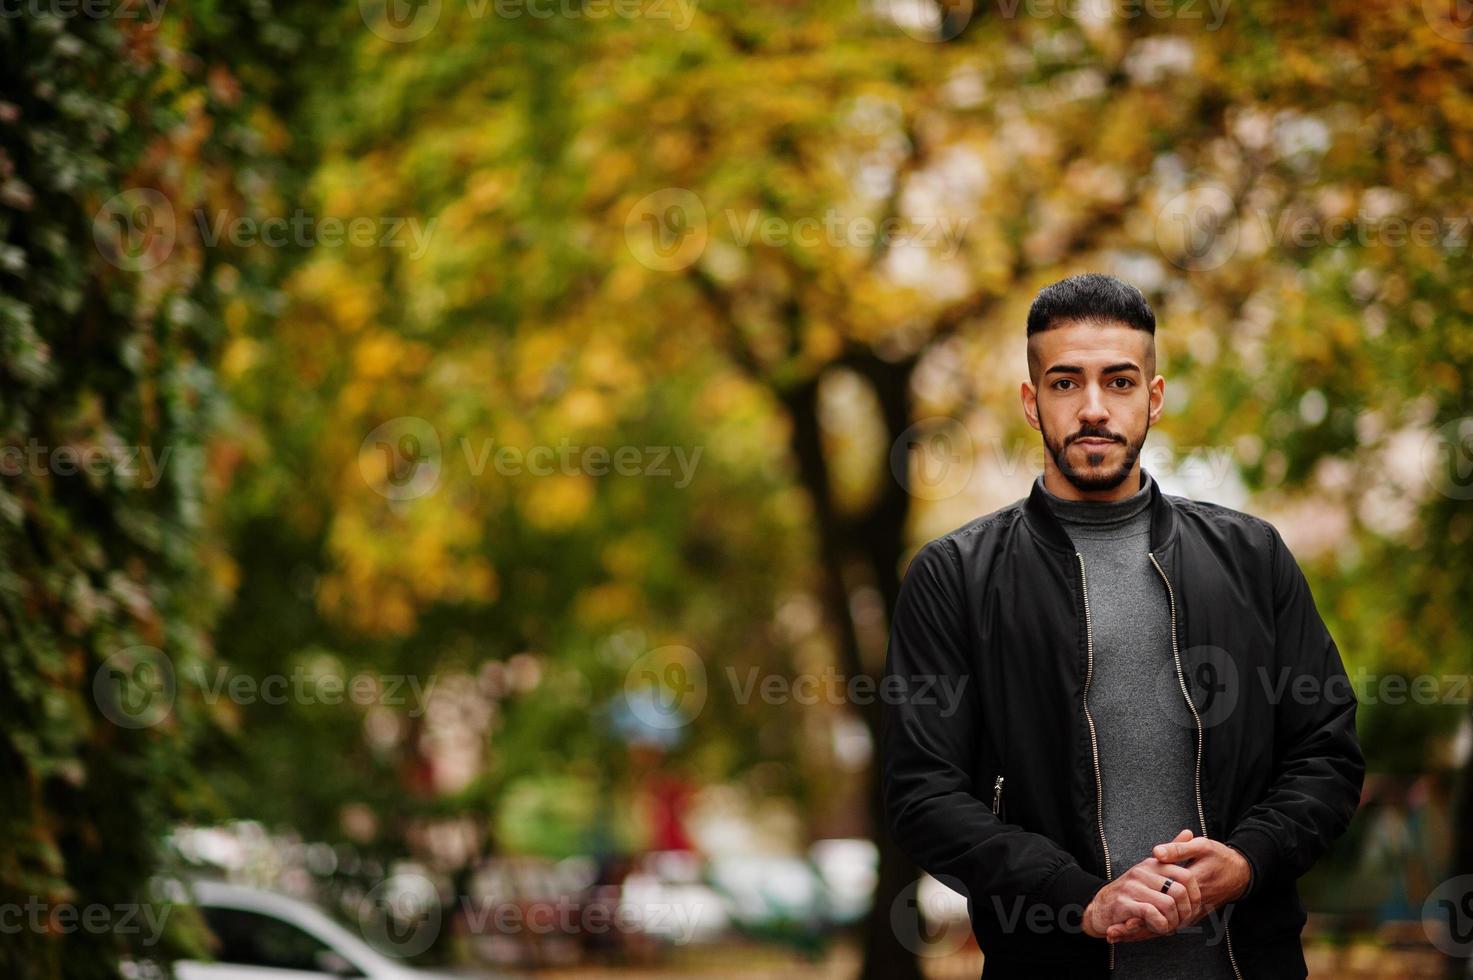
x,y
1039,515
1099,512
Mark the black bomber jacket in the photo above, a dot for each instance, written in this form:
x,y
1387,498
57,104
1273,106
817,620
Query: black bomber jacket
x,y
997,793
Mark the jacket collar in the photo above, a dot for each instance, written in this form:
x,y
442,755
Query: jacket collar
x,y
1039,517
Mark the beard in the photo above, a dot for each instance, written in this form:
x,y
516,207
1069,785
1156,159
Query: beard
x,y
1092,480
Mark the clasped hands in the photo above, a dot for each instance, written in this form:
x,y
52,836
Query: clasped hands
x,y
1133,907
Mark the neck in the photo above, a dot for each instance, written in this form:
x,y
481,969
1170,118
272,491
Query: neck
x,y
1057,484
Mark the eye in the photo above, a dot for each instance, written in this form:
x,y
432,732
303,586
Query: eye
x,y
1059,385
1122,382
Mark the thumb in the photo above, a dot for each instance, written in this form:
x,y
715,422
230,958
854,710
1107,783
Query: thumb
x,y
1166,853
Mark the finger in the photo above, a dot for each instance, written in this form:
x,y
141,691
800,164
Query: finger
x,y
1188,886
1178,893
1209,879
1182,850
1173,851
1169,903
1129,934
1154,875
1158,921
1136,930
1182,837
1193,889
1185,888
1161,915
1151,917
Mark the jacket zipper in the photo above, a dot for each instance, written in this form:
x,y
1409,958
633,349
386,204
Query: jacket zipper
x,y
996,795
1181,680
1094,744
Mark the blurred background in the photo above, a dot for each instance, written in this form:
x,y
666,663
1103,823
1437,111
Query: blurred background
x,y
459,455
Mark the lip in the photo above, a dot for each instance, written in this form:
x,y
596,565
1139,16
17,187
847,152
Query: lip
x,y
1095,442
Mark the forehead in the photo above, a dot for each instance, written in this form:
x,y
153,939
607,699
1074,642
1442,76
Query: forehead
x,y
1090,343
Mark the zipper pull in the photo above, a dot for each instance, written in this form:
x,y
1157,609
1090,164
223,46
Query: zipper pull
x,y
996,794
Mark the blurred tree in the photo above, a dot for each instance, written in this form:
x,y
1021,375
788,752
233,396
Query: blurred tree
x,y
101,604
1057,143
665,230
531,594
116,131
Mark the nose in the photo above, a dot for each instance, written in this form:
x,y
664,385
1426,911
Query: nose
x,y
1092,410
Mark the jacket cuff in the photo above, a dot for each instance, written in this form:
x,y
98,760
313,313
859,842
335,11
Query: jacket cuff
x,y
1070,886
1259,848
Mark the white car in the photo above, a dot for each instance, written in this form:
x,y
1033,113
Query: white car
x,y
267,936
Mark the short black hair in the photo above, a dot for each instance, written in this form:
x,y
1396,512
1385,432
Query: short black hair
x,y
1092,296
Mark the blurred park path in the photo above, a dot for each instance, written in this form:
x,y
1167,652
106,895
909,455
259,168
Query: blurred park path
x,y
1369,959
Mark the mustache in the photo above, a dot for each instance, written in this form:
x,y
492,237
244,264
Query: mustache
x,y
1094,434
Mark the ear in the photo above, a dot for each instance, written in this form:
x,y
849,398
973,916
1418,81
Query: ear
x,y
1158,398
1029,396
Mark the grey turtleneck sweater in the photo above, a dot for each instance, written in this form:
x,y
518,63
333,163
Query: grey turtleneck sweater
x,y
1147,757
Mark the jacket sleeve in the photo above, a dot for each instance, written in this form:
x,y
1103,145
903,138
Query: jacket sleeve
x,y
1319,768
928,754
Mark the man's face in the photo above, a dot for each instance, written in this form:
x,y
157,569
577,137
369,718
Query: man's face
x,y
1094,400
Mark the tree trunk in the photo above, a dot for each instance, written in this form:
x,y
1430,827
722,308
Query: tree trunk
x,y
868,548
1462,856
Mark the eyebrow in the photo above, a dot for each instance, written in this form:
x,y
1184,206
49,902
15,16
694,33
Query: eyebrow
x,y
1120,368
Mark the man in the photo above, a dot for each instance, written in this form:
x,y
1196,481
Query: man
x,y
1155,736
